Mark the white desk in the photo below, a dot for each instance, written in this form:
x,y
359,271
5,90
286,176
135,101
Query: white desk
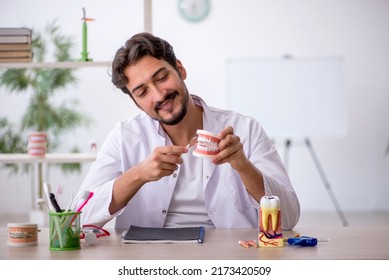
x,y
219,244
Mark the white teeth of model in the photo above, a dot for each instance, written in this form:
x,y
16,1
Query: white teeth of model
x,y
270,206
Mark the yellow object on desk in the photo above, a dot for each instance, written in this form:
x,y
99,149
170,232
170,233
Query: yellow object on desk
x,y
269,221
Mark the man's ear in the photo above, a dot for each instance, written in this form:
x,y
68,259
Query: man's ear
x,y
181,69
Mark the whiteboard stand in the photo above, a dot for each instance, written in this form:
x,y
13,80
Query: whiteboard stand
x,y
292,97
319,168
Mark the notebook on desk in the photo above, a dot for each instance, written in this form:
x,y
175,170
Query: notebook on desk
x,y
137,234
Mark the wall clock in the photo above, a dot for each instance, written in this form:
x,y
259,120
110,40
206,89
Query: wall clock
x,y
194,10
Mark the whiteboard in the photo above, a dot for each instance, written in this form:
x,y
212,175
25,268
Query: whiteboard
x,y
290,97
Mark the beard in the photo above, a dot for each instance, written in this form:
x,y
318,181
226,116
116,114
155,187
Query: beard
x,y
177,117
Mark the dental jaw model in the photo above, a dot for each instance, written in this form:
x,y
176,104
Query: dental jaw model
x,y
270,233
207,144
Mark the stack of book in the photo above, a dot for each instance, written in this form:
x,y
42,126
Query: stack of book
x,y
15,45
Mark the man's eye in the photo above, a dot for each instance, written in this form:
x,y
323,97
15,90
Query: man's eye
x,y
140,93
161,79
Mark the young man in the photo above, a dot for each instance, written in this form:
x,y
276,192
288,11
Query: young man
x,y
145,175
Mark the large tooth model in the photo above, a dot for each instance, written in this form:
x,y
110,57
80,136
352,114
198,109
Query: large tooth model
x,y
207,144
270,233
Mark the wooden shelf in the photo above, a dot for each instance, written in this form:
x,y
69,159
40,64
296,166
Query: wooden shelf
x,y
67,64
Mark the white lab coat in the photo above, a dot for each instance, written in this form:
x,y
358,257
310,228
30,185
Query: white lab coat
x,y
228,203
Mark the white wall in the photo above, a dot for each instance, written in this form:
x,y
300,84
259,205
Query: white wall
x,y
357,30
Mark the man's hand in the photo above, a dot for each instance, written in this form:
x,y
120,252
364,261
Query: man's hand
x,y
231,150
163,161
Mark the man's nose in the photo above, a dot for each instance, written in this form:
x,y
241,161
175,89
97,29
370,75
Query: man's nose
x,y
157,93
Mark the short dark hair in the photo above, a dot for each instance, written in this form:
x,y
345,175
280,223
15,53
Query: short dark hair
x,y
135,48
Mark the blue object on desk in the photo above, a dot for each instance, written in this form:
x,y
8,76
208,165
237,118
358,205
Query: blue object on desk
x,y
303,241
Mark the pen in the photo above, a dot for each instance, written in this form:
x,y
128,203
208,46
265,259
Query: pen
x,y
55,203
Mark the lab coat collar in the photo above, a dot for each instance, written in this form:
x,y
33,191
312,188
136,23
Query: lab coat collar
x,y
209,122
157,129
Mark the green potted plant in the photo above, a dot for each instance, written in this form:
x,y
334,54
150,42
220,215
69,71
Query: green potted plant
x,y
42,114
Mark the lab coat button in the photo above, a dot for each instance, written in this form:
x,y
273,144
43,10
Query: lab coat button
x,y
164,212
206,177
175,175
210,212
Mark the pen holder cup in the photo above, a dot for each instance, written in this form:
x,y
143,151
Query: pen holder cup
x,y
64,230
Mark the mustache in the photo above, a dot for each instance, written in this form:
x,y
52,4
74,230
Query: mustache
x,y
169,96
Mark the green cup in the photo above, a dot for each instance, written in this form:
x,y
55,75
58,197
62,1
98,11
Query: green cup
x,y
64,230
